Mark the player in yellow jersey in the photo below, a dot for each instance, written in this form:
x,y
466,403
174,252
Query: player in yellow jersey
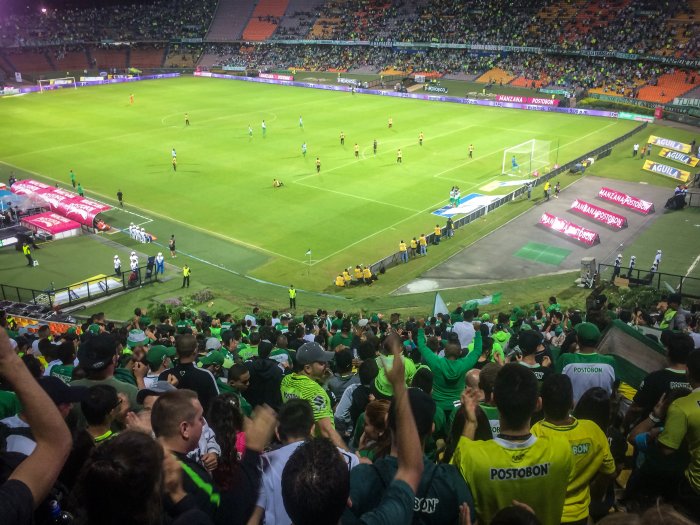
x,y
515,465
357,151
391,122
589,446
420,138
318,165
131,99
399,156
342,138
471,151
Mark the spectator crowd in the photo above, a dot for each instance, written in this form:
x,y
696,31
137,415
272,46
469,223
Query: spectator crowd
x,y
463,417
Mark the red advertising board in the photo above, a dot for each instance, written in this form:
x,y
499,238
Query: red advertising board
x,y
528,100
628,201
571,230
599,214
51,222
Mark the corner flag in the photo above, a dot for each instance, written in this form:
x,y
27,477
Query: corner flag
x,y
308,252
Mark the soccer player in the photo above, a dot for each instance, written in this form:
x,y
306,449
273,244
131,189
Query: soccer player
x,y
399,156
514,163
391,122
420,138
458,194
131,99
318,165
301,122
173,153
374,146
471,151
171,246
264,128
174,163
277,183
250,131
187,119
303,149
342,138
72,178
357,151
452,197
120,198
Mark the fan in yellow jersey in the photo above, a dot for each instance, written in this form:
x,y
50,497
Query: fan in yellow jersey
x,y
515,465
309,369
347,277
339,281
589,445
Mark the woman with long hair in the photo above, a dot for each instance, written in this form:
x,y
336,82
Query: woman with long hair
x,y
375,442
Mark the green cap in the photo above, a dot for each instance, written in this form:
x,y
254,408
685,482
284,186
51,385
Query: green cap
x,y
588,332
157,354
213,358
94,329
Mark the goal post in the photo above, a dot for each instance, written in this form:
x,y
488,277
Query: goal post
x,y
527,158
55,83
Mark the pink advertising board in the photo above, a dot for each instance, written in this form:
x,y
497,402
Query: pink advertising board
x,y
527,100
50,222
571,230
599,214
628,201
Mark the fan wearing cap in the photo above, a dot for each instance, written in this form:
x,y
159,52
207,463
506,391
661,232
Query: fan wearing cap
x,y
530,343
309,370
159,359
587,368
19,437
98,357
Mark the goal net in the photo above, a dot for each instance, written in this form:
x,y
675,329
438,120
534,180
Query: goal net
x,y
57,83
527,158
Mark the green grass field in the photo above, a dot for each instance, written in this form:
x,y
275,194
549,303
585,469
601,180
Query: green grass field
x,y
220,203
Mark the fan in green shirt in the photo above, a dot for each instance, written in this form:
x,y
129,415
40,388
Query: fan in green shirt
x,y
449,371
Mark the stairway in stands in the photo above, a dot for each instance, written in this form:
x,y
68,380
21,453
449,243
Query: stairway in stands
x,y
230,18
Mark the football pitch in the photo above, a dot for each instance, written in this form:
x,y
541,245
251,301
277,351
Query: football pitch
x,y
221,204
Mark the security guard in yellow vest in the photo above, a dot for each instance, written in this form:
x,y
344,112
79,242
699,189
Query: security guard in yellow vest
x,y
186,271
27,253
292,297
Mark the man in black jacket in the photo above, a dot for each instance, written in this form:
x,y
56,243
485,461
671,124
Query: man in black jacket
x,y
265,378
188,375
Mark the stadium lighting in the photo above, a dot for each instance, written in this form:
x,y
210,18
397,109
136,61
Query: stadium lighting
x,y
43,10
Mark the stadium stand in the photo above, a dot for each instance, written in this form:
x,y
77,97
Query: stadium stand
x,y
147,56
496,75
109,58
298,19
264,20
229,20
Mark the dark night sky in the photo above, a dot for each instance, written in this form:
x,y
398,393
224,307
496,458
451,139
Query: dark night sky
x,y
24,6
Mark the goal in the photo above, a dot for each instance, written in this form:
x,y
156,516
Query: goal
x,y
57,83
526,158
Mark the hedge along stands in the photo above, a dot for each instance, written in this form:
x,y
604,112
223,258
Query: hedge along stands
x,y
569,229
627,201
606,217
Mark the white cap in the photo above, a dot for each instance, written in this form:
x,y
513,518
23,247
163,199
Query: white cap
x,y
633,257
658,251
160,253
116,257
619,255
133,253
143,229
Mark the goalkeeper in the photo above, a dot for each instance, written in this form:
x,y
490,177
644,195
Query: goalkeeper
x,y
514,163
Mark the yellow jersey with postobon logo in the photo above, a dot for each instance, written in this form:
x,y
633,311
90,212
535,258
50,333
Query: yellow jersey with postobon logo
x,y
591,454
535,471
